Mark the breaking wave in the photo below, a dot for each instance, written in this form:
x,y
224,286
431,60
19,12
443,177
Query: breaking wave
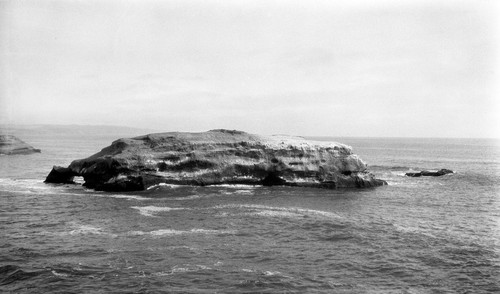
x,y
170,232
270,211
151,210
85,230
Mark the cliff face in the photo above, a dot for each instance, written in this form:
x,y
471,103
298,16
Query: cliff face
x,y
218,157
11,145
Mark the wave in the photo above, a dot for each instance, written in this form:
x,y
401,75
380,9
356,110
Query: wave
x,y
164,185
151,210
183,268
235,186
271,211
71,271
86,230
77,230
238,192
274,213
243,192
414,230
120,196
59,274
11,181
170,232
11,273
31,186
189,197
91,230
256,280
265,273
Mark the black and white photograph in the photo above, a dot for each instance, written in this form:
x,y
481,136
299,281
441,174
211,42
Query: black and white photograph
x,y
250,146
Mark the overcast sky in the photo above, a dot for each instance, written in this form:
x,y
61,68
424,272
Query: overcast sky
x,y
331,68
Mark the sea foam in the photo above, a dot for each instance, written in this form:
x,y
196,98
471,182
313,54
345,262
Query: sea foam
x,y
121,196
170,232
86,229
270,211
160,185
151,210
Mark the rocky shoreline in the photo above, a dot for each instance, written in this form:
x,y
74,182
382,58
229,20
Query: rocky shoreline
x,y
218,157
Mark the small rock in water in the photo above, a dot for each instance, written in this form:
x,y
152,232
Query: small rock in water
x,y
430,173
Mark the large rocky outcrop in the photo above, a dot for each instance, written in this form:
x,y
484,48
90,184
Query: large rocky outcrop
x,y
218,157
11,145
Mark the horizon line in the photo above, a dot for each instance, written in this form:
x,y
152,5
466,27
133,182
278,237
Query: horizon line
x,y
160,131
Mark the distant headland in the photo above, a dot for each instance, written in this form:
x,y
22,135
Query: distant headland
x,y
218,157
11,145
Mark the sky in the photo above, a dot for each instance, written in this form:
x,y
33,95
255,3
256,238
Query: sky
x,y
312,68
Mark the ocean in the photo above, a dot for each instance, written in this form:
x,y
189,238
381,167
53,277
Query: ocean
x,y
415,235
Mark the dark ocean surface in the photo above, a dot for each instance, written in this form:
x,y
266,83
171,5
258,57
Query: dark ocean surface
x,y
416,235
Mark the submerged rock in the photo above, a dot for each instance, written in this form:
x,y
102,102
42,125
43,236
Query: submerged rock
x,y
11,145
414,174
218,157
430,173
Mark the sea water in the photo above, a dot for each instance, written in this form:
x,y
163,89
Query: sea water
x,y
416,235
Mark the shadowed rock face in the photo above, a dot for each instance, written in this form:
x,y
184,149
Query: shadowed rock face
x,y
218,157
11,145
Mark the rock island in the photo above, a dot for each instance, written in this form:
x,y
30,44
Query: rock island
x,y
218,157
11,145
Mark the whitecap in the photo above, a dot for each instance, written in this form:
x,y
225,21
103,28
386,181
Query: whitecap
x,y
163,232
31,186
204,231
59,274
191,197
271,273
281,211
243,192
247,270
161,274
122,196
237,192
79,229
413,230
189,268
150,210
170,232
183,247
23,182
86,229
163,185
275,213
182,269
79,180
236,186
